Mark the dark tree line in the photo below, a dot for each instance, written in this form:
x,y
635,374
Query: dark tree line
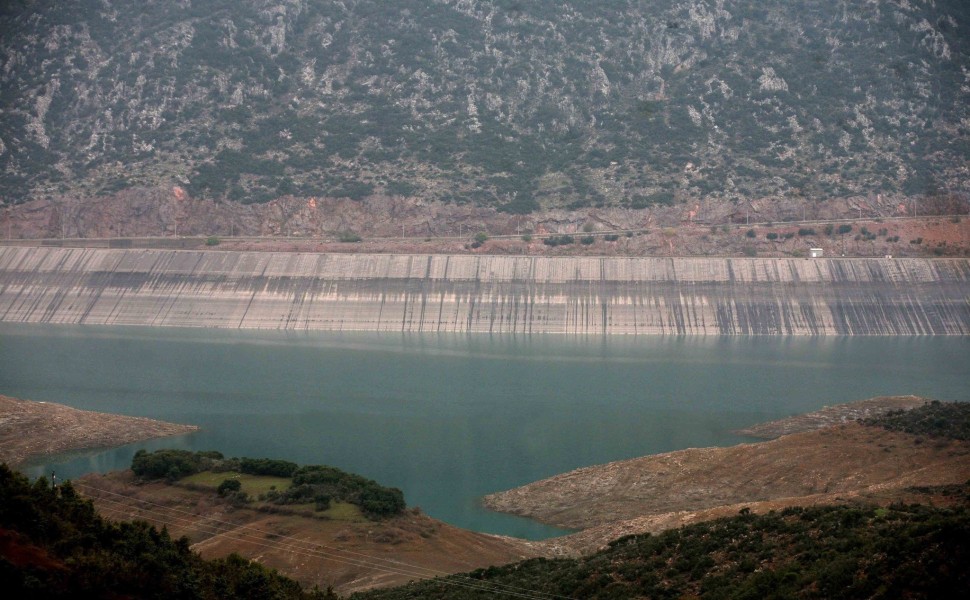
x,y
313,483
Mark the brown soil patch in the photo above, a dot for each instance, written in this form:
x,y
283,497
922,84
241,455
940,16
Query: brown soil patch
x,y
847,462
350,556
31,429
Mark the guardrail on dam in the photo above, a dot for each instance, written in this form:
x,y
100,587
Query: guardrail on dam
x,y
500,294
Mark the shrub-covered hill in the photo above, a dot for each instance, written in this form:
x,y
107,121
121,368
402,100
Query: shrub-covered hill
x,y
823,552
318,484
54,545
949,420
506,103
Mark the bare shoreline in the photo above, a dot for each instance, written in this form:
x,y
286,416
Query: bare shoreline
x,y
819,458
485,294
30,430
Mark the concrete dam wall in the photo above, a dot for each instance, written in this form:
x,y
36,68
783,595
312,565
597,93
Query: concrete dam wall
x,y
498,294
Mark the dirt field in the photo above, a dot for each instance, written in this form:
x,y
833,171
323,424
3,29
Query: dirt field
x,y
31,429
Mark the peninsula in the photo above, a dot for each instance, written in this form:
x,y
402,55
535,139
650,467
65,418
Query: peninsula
x,y
33,429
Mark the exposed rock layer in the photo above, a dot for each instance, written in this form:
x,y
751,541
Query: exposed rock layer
x,y
415,293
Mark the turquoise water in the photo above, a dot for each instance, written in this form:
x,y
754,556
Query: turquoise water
x,y
449,418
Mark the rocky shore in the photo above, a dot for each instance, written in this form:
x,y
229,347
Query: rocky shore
x,y
834,463
34,429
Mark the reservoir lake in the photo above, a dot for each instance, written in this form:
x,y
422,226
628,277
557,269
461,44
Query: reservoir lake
x,y
450,418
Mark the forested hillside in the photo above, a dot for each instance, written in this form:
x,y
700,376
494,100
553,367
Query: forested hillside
x,y
821,552
54,545
515,104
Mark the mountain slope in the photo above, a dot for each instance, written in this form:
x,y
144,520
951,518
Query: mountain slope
x,y
517,104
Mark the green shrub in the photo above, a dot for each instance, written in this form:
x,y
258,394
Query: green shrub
x,y
228,486
212,241
267,466
558,240
171,464
950,420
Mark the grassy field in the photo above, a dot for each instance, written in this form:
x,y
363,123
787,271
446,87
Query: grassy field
x,y
255,485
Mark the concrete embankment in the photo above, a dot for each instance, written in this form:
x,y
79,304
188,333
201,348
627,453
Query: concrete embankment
x,y
499,294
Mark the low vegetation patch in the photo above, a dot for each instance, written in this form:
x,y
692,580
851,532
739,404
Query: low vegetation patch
x,y
950,420
272,481
558,240
253,485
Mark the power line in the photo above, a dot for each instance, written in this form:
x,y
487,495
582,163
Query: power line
x,y
305,547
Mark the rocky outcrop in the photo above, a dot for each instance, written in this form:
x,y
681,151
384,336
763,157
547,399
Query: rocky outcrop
x,y
494,294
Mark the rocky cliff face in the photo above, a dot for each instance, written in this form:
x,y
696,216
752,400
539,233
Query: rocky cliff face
x,y
514,105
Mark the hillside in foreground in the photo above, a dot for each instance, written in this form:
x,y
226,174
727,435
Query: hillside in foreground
x,y
902,551
54,545
317,524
